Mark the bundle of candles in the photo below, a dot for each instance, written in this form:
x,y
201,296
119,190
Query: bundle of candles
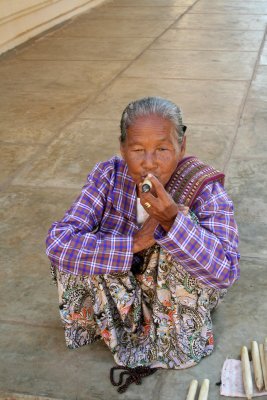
x,y
204,390
259,362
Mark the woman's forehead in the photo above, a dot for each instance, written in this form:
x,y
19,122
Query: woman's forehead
x,y
152,125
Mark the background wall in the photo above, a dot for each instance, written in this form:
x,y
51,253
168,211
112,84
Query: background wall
x,y
21,20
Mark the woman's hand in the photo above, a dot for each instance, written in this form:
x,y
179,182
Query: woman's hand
x,y
162,206
144,238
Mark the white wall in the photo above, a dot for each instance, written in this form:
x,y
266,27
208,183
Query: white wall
x,y
21,20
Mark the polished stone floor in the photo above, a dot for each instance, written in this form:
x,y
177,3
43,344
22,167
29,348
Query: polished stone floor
x,y
61,99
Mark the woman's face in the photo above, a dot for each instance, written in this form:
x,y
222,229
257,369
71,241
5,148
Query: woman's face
x,y
151,146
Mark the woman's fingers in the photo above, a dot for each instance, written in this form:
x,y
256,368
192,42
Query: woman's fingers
x,y
157,185
162,207
147,198
144,238
161,196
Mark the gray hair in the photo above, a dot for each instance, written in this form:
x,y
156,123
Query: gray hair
x,y
152,106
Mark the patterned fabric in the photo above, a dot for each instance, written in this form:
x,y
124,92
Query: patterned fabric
x,y
189,179
95,235
160,318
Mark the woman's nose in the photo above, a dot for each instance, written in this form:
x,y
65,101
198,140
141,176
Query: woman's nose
x,y
149,161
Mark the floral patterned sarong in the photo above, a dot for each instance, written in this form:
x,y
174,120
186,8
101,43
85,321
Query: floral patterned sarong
x,y
159,318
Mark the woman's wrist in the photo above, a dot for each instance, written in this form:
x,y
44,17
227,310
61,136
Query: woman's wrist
x,y
136,247
167,224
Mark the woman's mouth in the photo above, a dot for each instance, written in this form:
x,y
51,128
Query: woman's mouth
x,y
145,176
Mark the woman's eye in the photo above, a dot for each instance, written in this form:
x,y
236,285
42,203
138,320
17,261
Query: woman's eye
x,y
138,150
162,149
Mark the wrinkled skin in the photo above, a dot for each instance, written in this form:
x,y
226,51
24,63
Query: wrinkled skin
x,y
151,149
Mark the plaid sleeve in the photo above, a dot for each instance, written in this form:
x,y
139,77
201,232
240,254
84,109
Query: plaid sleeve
x,y
76,245
208,251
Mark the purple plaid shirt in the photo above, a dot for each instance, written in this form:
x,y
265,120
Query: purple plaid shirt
x,y
95,235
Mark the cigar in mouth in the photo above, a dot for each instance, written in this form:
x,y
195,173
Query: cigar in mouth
x,y
146,186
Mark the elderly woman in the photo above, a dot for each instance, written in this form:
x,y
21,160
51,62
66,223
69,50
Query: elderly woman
x,y
142,269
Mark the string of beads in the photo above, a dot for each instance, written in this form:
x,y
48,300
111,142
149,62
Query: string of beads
x,y
135,375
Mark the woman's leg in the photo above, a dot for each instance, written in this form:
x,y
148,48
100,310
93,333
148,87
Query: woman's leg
x,y
76,309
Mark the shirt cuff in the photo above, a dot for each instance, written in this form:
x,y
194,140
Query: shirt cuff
x,y
166,239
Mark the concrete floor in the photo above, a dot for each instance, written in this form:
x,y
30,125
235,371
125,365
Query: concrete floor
x,y
61,100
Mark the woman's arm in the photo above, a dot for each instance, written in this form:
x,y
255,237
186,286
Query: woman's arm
x,y
208,251
75,244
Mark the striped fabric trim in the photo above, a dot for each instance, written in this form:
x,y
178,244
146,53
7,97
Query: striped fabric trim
x,y
189,179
